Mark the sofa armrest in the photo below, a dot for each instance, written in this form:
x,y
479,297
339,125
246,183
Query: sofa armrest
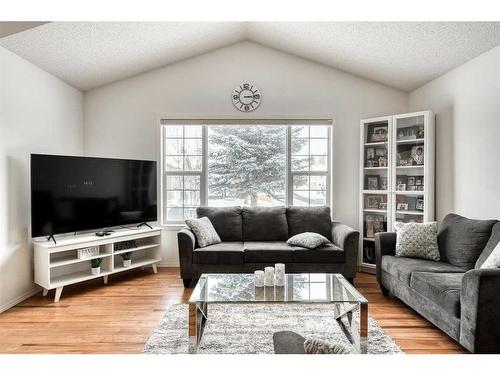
x,y
348,240
480,311
385,244
186,241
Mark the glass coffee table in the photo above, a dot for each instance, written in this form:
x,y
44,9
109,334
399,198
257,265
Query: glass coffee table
x,y
329,288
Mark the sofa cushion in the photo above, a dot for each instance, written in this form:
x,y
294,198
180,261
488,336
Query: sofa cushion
x,y
309,240
268,252
323,254
417,240
441,288
462,240
227,221
490,245
264,224
309,219
204,231
402,268
221,253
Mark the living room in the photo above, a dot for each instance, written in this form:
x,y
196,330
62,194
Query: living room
x,y
227,187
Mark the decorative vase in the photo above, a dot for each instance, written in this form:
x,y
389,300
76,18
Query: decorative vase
x,y
279,274
95,270
258,277
269,276
127,263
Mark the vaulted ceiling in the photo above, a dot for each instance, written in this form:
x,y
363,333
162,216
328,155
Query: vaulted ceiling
x,y
404,55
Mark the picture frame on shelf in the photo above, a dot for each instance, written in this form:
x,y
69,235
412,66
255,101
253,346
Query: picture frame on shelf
x,y
373,201
372,182
382,206
402,207
383,183
382,162
419,206
379,151
378,134
374,224
417,155
420,131
411,181
370,153
407,133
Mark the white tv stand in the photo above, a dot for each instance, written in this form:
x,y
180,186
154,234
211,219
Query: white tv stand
x,y
57,265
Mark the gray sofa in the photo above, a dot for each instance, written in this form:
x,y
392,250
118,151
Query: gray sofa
x,y
453,294
255,237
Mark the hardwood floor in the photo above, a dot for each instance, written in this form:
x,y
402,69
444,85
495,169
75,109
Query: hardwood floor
x,y
119,317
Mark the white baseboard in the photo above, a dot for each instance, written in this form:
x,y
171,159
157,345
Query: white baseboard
x,y
20,299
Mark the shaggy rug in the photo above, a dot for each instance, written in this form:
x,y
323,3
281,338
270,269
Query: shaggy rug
x,y
249,328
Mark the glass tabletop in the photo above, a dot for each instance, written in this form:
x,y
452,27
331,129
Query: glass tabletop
x,y
299,288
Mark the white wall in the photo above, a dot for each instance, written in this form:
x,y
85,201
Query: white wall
x,y
121,118
38,114
467,106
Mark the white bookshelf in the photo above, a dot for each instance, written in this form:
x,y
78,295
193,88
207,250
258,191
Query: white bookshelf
x,y
379,183
57,264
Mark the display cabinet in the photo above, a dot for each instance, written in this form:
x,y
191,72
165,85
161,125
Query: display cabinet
x,y
396,176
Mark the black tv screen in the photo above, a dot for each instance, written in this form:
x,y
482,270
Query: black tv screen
x,y
74,193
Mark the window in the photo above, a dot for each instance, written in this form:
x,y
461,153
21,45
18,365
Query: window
x,y
245,163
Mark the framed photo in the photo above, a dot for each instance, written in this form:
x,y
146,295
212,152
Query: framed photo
x,y
383,183
411,181
382,206
380,151
402,206
417,155
372,182
373,201
420,204
379,134
419,180
408,132
370,153
401,182
374,224
420,131
382,162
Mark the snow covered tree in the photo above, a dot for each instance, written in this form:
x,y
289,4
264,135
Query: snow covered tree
x,y
247,160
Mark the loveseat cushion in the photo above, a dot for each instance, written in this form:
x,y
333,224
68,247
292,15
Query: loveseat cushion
x,y
322,254
490,245
221,253
264,224
402,268
441,288
462,240
268,251
309,219
227,221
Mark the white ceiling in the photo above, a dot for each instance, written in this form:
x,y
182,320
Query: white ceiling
x,y
404,55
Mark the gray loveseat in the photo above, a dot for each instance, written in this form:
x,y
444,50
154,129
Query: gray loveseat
x,y
253,238
453,294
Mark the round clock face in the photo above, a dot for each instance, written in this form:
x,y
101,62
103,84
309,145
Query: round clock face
x,y
246,97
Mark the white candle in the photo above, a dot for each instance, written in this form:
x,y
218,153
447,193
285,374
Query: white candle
x,y
279,274
258,278
269,276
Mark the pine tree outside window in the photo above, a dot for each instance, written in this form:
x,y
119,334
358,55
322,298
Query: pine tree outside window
x,y
246,163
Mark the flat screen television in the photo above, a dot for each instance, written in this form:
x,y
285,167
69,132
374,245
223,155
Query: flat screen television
x,y
74,193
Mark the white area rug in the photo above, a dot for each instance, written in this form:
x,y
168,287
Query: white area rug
x,y
249,328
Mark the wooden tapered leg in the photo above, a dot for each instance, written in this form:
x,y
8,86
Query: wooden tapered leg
x,y
363,328
45,292
105,278
155,270
58,294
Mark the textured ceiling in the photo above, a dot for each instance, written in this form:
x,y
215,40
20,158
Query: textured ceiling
x,y
404,55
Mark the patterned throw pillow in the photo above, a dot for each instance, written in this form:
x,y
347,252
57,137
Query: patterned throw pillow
x,y
204,231
308,240
315,346
417,240
493,260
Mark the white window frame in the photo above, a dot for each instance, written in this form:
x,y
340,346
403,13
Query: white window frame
x,y
205,123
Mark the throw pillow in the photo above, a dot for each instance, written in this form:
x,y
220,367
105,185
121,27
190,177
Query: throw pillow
x,y
493,260
315,346
204,231
417,240
308,240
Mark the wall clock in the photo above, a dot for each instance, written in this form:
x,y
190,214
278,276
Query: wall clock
x,y
246,97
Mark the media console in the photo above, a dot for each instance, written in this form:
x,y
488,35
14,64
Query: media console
x,y
58,265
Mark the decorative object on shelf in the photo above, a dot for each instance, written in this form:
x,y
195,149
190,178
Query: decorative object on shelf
x,y
246,97
372,182
269,276
374,224
124,245
373,201
382,206
127,262
279,274
377,133
402,206
258,278
383,183
419,205
88,252
417,155
96,266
